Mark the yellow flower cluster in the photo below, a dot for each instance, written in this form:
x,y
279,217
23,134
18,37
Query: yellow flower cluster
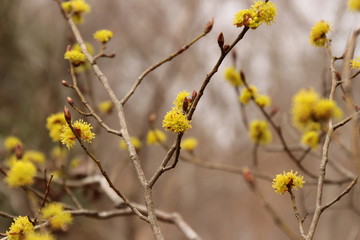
x,y
155,136
58,152
287,181
175,120
21,173
20,227
260,12
105,107
233,76
103,35
311,139
11,142
34,156
189,144
75,57
252,92
88,46
179,100
54,124
318,33
355,63
354,5
77,8
308,110
39,236
259,132
82,128
55,214
134,140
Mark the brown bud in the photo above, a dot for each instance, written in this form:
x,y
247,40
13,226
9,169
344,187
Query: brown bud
x,y
185,104
338,76
226,48
68,48
248,176
67,115
221,40
18,150
193,95
274,111
357,108
70,101
242,75
152,118
209,25
234,56
64,83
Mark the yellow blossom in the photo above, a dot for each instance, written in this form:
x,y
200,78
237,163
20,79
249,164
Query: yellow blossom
x,y
287,181
176,121
318,33
259,132
76,6
21,173
82,128
75,162
247,94
75,57
58,218
246,17
260,12
88,47
302,107
311,139
354,5
54,124
263,101
266,11
355,63
106,107
39,236
58,152
134,140
103,36
189,144
34,156
179,101
155,136
11,142
326,109
233,76
19,228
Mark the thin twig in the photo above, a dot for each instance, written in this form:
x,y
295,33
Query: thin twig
x,y
297,214
158,64
337,198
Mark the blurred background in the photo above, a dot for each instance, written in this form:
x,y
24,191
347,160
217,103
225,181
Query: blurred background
x,y
278,59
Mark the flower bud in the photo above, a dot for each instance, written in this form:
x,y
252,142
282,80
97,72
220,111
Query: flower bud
x,y
65,83
67,115
70,101
193,95
185,104
234,56
152,118
338,76
242,75
209,26
274,111
248,176
221,40
18,150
